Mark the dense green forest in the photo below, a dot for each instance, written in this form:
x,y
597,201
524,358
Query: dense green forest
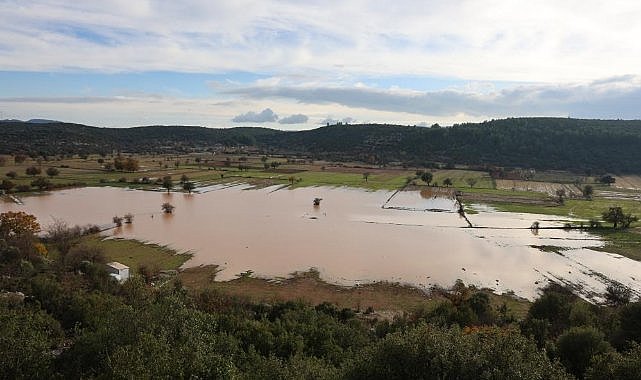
x,y
540,143
63,316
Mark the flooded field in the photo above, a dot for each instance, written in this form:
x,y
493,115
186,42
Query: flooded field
x,y
417,239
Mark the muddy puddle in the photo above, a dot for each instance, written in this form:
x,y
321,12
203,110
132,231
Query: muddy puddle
x,y
353,237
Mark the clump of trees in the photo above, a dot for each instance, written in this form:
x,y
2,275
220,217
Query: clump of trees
x,y
607,179
52,172
128,164
33,171
618,218
42,183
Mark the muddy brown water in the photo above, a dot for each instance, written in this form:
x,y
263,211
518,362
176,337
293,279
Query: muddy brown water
x,y
350,238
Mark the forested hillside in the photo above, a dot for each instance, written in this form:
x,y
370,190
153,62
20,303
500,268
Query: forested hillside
x,y
541,143
65,138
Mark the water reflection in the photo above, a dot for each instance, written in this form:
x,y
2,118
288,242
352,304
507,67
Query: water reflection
x,y
350,237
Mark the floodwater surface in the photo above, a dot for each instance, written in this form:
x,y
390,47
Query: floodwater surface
x,y
350,238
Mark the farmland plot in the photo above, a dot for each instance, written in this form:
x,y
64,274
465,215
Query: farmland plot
x,y
628,182
549,188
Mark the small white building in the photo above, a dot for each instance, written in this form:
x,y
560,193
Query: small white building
x,y
118,271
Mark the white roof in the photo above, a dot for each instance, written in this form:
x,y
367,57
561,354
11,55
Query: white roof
x,y
117,265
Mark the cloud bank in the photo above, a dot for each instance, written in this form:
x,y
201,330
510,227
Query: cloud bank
x,y
617,97
294,119
264,116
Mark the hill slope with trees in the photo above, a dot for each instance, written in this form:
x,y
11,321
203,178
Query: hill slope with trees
x,y
541,143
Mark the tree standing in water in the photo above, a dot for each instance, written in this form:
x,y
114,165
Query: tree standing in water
x,y
167,208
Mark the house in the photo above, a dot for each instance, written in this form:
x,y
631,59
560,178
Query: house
x,y
118,271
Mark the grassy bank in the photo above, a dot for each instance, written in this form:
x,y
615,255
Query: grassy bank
x,y
134,253
625,243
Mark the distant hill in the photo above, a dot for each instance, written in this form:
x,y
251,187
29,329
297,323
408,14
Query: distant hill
x,y
541,143
42,121
32,121
63,138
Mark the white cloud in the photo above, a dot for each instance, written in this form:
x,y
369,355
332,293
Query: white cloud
x,y
294,119
264,116
520,40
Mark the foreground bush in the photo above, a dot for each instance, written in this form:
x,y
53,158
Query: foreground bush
x,y
429,352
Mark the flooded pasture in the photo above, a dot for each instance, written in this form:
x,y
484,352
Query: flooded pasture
x,y
417,238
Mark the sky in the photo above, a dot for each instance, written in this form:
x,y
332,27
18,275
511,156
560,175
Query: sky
x,y
300,64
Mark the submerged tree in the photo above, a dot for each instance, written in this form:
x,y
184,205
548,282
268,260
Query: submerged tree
x,y
129,218
117,220
167,208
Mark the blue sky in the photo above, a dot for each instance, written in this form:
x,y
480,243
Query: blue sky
x,y
294,65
